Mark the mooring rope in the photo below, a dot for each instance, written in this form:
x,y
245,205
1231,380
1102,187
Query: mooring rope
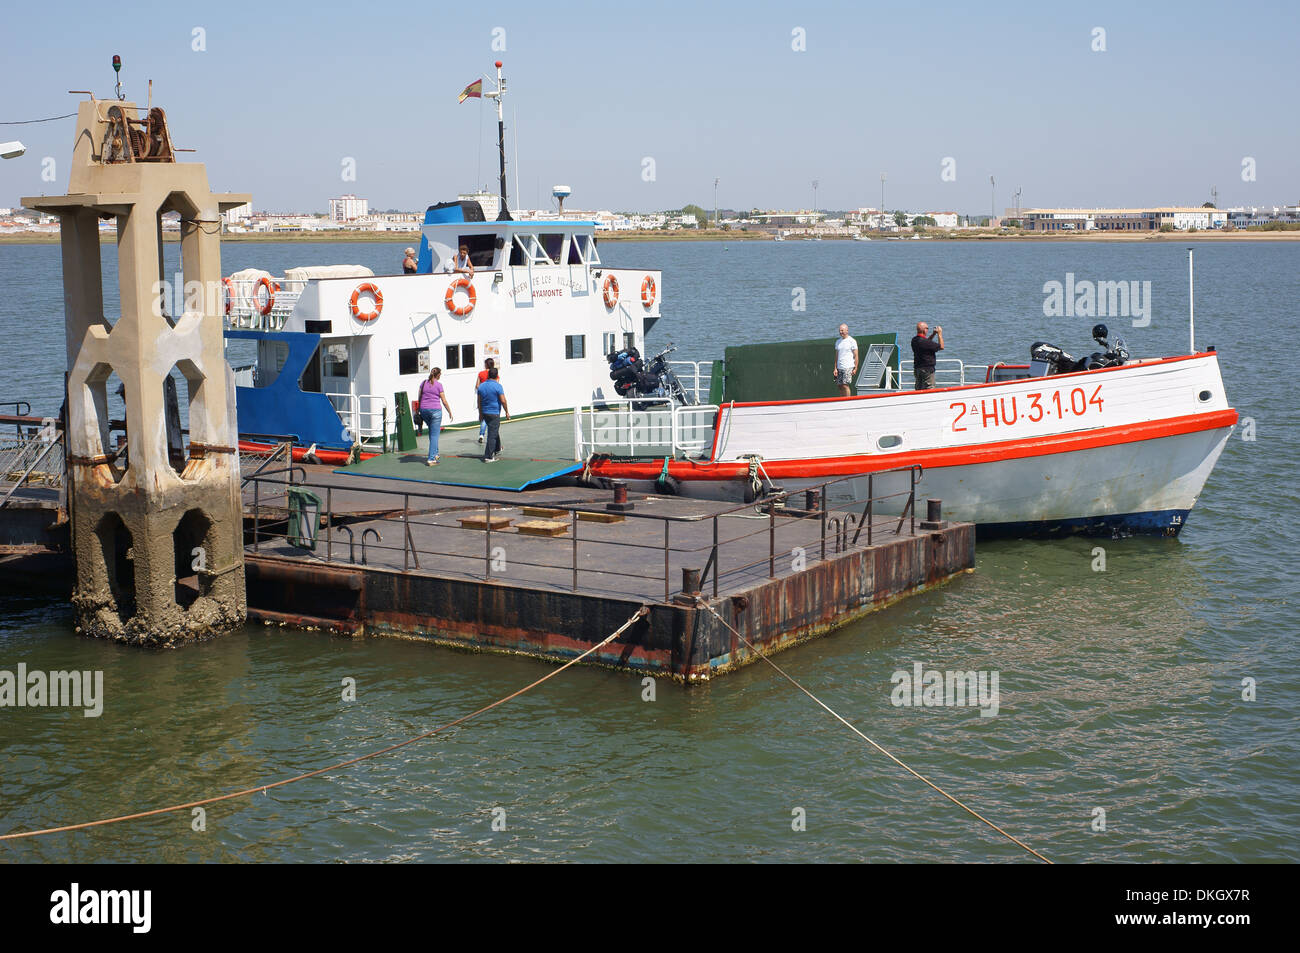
x,y
840,718
640,613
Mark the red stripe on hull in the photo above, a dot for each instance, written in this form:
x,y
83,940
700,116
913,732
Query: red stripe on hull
x,y
832,467
337,457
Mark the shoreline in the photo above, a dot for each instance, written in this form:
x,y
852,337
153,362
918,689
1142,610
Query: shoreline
x,y
401,238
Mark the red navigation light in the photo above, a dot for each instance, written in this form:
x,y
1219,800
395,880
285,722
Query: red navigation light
x,y
498,64
117,64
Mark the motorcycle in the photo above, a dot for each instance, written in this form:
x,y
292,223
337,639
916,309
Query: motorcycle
x,y
634,377
1057,361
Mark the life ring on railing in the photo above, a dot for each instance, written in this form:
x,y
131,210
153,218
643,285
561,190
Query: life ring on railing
x,y
230,293
450,300
374,292
611,291
271,288
648,291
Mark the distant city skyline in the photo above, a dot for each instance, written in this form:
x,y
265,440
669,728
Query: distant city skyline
x,y
1109,106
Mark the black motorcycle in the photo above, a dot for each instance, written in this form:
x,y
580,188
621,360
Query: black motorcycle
x,y
1057,361
634,377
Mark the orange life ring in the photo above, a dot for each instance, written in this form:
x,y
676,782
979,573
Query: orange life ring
x,y
271,289
611,291
450,300
230,293
648,291
375,293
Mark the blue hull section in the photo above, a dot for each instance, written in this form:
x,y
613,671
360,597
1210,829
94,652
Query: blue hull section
x,y
1154,523
282,408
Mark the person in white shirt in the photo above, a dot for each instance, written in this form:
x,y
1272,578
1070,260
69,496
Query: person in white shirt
x,y
461,263
846,361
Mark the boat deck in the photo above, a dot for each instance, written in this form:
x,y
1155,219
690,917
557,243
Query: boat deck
x,y
533,451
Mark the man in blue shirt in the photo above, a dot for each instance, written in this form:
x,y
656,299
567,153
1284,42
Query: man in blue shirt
x,y
491,404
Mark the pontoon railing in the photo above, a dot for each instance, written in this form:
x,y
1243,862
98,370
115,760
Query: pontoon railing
x,y
426,534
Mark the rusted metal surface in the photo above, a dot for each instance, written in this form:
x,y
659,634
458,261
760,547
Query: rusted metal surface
x,y
679,639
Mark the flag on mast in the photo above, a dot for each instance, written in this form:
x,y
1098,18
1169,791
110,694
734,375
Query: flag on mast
x,y
473,91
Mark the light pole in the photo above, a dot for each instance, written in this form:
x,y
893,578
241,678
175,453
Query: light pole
x,y
993,202
814,214
882,198
1017,204
715,203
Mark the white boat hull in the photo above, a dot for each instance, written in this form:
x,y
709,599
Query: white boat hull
x,y
1138,469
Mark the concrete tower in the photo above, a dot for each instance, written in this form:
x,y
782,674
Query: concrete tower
x,y
157,510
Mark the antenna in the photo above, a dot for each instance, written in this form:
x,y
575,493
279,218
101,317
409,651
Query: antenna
x,y
560,193
117,68
1191,301
497,94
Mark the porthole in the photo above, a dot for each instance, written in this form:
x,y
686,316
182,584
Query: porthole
x,y
889,441
1203,396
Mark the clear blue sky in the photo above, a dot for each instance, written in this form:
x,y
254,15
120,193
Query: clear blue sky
x,y
284,92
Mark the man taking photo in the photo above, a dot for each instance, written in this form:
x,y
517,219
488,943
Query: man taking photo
x,y
924,346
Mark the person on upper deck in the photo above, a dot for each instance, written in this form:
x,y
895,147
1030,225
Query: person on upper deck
x,y
461,264
408,263
924,347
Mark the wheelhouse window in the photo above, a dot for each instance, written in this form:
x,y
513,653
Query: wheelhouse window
x,y
608,342
482,249
459,356
629,340
526,250
582,251
521,351
575,346
553,245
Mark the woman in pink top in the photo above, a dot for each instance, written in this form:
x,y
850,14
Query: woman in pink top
x,y
433,399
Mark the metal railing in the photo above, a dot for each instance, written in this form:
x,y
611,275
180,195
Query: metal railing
x,y
31,458
247,300
423,531
365,415
948,372
644,427
696,377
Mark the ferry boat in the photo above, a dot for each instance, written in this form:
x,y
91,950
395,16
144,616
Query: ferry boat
x,y
329,352
1104,446
337,347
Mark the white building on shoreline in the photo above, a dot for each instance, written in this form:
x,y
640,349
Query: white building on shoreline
x,y
348,208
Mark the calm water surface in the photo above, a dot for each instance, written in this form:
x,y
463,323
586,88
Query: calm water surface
x,y
1120,690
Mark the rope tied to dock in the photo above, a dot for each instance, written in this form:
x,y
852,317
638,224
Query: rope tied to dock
x,y
263,788
853,728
